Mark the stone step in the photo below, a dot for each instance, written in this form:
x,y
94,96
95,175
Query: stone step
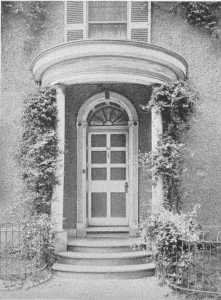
x,y
108,229
104,259
107,235
108,232
104,272
105,245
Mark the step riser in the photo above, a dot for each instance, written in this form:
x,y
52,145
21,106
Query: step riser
x,y
95,276
108,235
102,249
104,262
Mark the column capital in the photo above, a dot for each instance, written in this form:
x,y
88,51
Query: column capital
x,y
60,88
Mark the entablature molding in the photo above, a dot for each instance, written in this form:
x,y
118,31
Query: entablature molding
x,y
110,61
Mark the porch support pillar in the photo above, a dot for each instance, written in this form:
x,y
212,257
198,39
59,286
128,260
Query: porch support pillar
x,y
157,131
58,197
81,179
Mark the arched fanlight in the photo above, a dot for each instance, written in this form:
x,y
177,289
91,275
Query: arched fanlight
x,y
107,114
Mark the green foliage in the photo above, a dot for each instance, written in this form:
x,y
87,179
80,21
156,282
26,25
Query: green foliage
x,y
38,239
176,102
202,14
39,150
183,258
27,247
33,12
167,161
165,231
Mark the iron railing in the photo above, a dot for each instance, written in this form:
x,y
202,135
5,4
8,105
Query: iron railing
x,y
22,250
197,264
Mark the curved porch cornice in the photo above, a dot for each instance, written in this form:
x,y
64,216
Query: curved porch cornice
x,y
94,61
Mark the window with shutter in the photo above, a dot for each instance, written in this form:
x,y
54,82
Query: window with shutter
x,y
75,22
139,25
107,20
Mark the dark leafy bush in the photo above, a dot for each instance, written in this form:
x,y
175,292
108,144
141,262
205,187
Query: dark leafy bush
x,y
165,232
39,149
176,102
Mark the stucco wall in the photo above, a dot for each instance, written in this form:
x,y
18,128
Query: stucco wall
x,y
203,172
75,97
16,84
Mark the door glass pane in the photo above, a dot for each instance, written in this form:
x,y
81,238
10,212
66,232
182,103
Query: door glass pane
x,y
98,140
118,173
98,205
98,157
118,157
118,205
98,173
118,140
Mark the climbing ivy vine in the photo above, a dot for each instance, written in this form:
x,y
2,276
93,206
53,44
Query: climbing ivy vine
x,y
176,102
39,149
203,14
33,12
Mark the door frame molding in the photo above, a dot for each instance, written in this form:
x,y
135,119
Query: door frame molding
x,y
82,132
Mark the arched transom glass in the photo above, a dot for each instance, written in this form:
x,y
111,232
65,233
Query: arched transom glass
x,y
107,114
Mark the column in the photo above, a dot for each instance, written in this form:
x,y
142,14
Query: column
x,y
133,177
58,196
81,179
157,131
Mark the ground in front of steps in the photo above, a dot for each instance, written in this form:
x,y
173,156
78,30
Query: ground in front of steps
x,y
67,288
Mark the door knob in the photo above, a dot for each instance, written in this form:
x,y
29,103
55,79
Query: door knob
x,y
126,187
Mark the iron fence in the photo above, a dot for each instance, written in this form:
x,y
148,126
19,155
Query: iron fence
x,y
197,264
22,250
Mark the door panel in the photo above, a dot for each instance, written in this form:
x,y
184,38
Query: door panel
x,y
98,157
118,157
98,205
99,174
108,178
98,140
118,173
118,205
118,140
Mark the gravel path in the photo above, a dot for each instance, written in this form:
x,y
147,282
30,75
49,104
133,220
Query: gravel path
x,y
67,288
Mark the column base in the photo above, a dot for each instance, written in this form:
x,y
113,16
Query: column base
x,y
133,232
81,230
60,241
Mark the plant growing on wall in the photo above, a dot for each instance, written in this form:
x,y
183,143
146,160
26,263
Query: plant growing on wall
x,y
202,14
175,102
39,149
33,12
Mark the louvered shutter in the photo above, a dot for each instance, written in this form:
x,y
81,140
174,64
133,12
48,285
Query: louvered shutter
x,y
139,22
75,22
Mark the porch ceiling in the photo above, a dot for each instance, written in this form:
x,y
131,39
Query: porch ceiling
x,y
94,61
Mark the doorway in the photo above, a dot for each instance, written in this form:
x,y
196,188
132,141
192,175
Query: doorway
x,y
108,177
107,149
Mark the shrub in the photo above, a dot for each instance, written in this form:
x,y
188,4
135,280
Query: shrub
x,y
166,231
39,149
176,102
38,239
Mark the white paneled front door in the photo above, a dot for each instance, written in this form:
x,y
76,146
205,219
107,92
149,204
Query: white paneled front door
x,y
108,202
